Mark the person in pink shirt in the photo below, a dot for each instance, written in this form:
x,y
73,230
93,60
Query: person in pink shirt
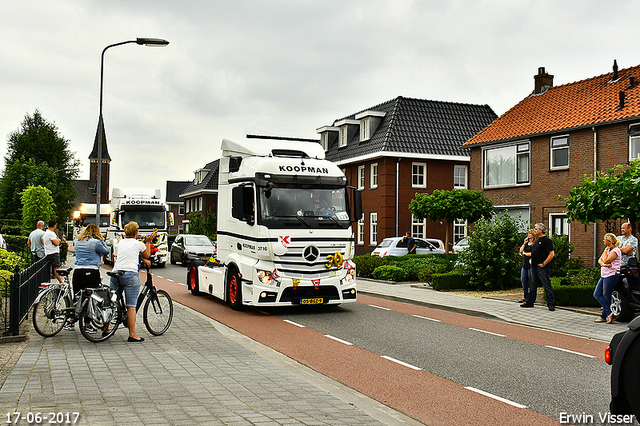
x,y
609,276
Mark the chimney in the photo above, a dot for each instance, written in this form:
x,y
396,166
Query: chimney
x,y
543,81
615,70
621,104
632,82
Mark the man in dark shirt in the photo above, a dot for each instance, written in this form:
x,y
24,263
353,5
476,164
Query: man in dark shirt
x,y
411,243
542,254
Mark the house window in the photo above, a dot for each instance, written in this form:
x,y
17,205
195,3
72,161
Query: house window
x,y
459,230
200,204
418,175
560,152
374,176
634,142
373,229
365,129
559,224
360,177
343,136
181,210
521,214
460,177
324,141
360,234
506,165
418,227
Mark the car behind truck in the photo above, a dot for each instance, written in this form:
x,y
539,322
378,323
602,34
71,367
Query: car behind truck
x,y
284,227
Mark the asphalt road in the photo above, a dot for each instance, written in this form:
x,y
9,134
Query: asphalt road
x,y
523,366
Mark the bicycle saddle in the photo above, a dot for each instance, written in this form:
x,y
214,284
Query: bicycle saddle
x,y
64,272
116,274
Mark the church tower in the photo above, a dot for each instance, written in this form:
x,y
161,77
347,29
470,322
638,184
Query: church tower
x,y
93,168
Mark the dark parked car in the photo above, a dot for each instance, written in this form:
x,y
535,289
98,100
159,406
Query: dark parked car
x,y
623,354
625,298
190,249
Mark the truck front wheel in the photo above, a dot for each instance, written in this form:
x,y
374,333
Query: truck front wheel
x,y
234,291
192,280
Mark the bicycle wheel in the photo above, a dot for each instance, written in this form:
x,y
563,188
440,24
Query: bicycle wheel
x,y
49,314
98,324
158,312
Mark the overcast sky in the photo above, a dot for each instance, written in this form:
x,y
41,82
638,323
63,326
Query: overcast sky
x,y
279,67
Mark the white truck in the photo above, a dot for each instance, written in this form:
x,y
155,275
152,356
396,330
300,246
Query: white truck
x,y
86,214
284,227
146,207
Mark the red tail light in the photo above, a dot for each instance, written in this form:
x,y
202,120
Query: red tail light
x,y
608,355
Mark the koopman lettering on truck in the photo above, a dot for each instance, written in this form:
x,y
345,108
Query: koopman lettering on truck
x,y
146,207
285,236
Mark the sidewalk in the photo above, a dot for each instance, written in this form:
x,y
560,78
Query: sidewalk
x,y
561,320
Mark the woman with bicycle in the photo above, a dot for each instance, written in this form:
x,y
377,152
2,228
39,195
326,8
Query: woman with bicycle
x,y
128,260
89,248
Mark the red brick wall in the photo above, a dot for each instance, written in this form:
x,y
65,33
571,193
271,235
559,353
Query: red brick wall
x,y
547,185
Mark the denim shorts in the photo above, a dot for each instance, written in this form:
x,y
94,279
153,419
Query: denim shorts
x,y
130,282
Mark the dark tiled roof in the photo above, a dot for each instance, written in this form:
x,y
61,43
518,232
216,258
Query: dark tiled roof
x,y
174,189
210,182
583,103
418,126
84,194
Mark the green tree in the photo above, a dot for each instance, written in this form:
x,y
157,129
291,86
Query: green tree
x,y
492,259
607,196
38,155
451,205
203,224
37,204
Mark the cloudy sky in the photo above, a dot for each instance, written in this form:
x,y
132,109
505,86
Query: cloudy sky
x,y
279,67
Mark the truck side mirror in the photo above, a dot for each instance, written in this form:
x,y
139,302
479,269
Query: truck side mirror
x,y
357,205
234,164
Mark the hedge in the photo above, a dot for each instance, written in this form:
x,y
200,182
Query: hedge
x,y
573,295
450,280
389,273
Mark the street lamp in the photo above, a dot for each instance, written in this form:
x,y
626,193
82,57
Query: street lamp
x,y
154,42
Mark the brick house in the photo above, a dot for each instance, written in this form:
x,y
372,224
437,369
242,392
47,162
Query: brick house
x,y
400,147
202,192
539,149
176,204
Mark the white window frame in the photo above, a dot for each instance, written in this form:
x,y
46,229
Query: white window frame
x,y
344,133
373,229
457,175
324,140
200,203
373,176
559,219
360,232
365,129
520,155
181,210
418,227
557,144
360,177
419,175
459,230
634,141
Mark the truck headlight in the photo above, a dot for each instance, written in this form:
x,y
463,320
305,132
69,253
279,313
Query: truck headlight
x,y
268,277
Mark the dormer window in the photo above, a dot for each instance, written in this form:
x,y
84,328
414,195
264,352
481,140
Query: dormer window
x,y
200,175
328,136
369,122
348,129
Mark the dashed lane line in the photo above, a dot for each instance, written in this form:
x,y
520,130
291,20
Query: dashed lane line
x,y
498,398
487,332
571,352
426,318
401,362
338,340
295,323
380,307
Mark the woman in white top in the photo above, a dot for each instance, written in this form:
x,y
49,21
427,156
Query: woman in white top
x,y
129,250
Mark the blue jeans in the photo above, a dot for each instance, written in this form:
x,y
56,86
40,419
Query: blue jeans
x,y
603,291
130,282
525,279
541,276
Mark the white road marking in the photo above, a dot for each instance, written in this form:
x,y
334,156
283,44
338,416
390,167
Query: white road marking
x,y
182,284
295,323
487,332
338,340
430,319
380,307
400,362
571,352
490,395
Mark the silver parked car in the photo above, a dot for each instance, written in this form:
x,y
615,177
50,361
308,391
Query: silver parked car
x,y
189,248
394,246
460,245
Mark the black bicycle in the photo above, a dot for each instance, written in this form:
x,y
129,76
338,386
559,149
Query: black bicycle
x,y
157,312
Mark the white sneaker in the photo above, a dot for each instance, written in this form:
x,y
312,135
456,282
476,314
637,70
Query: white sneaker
x,y
70,326
89,329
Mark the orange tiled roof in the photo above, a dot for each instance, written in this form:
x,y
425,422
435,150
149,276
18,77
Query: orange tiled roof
x,y
583,103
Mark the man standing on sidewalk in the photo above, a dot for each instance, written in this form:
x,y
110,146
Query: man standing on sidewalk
x,y
542,254
51,244
628,244
35,241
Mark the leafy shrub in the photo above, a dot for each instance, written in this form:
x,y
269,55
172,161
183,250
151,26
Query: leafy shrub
x,y
5,280
562,248
574,263
366,264
9,261
575,295
16,242
389,273
492,260
581,277
426,274
450,280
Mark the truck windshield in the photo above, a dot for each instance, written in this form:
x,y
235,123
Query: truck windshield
x,y
144,218
298,206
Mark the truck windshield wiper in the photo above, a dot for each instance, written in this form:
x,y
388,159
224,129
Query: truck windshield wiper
x,y
300,218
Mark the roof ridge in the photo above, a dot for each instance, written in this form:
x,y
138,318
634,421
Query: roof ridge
x,y
392,121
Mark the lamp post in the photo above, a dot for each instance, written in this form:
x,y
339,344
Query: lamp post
x,y
156,42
